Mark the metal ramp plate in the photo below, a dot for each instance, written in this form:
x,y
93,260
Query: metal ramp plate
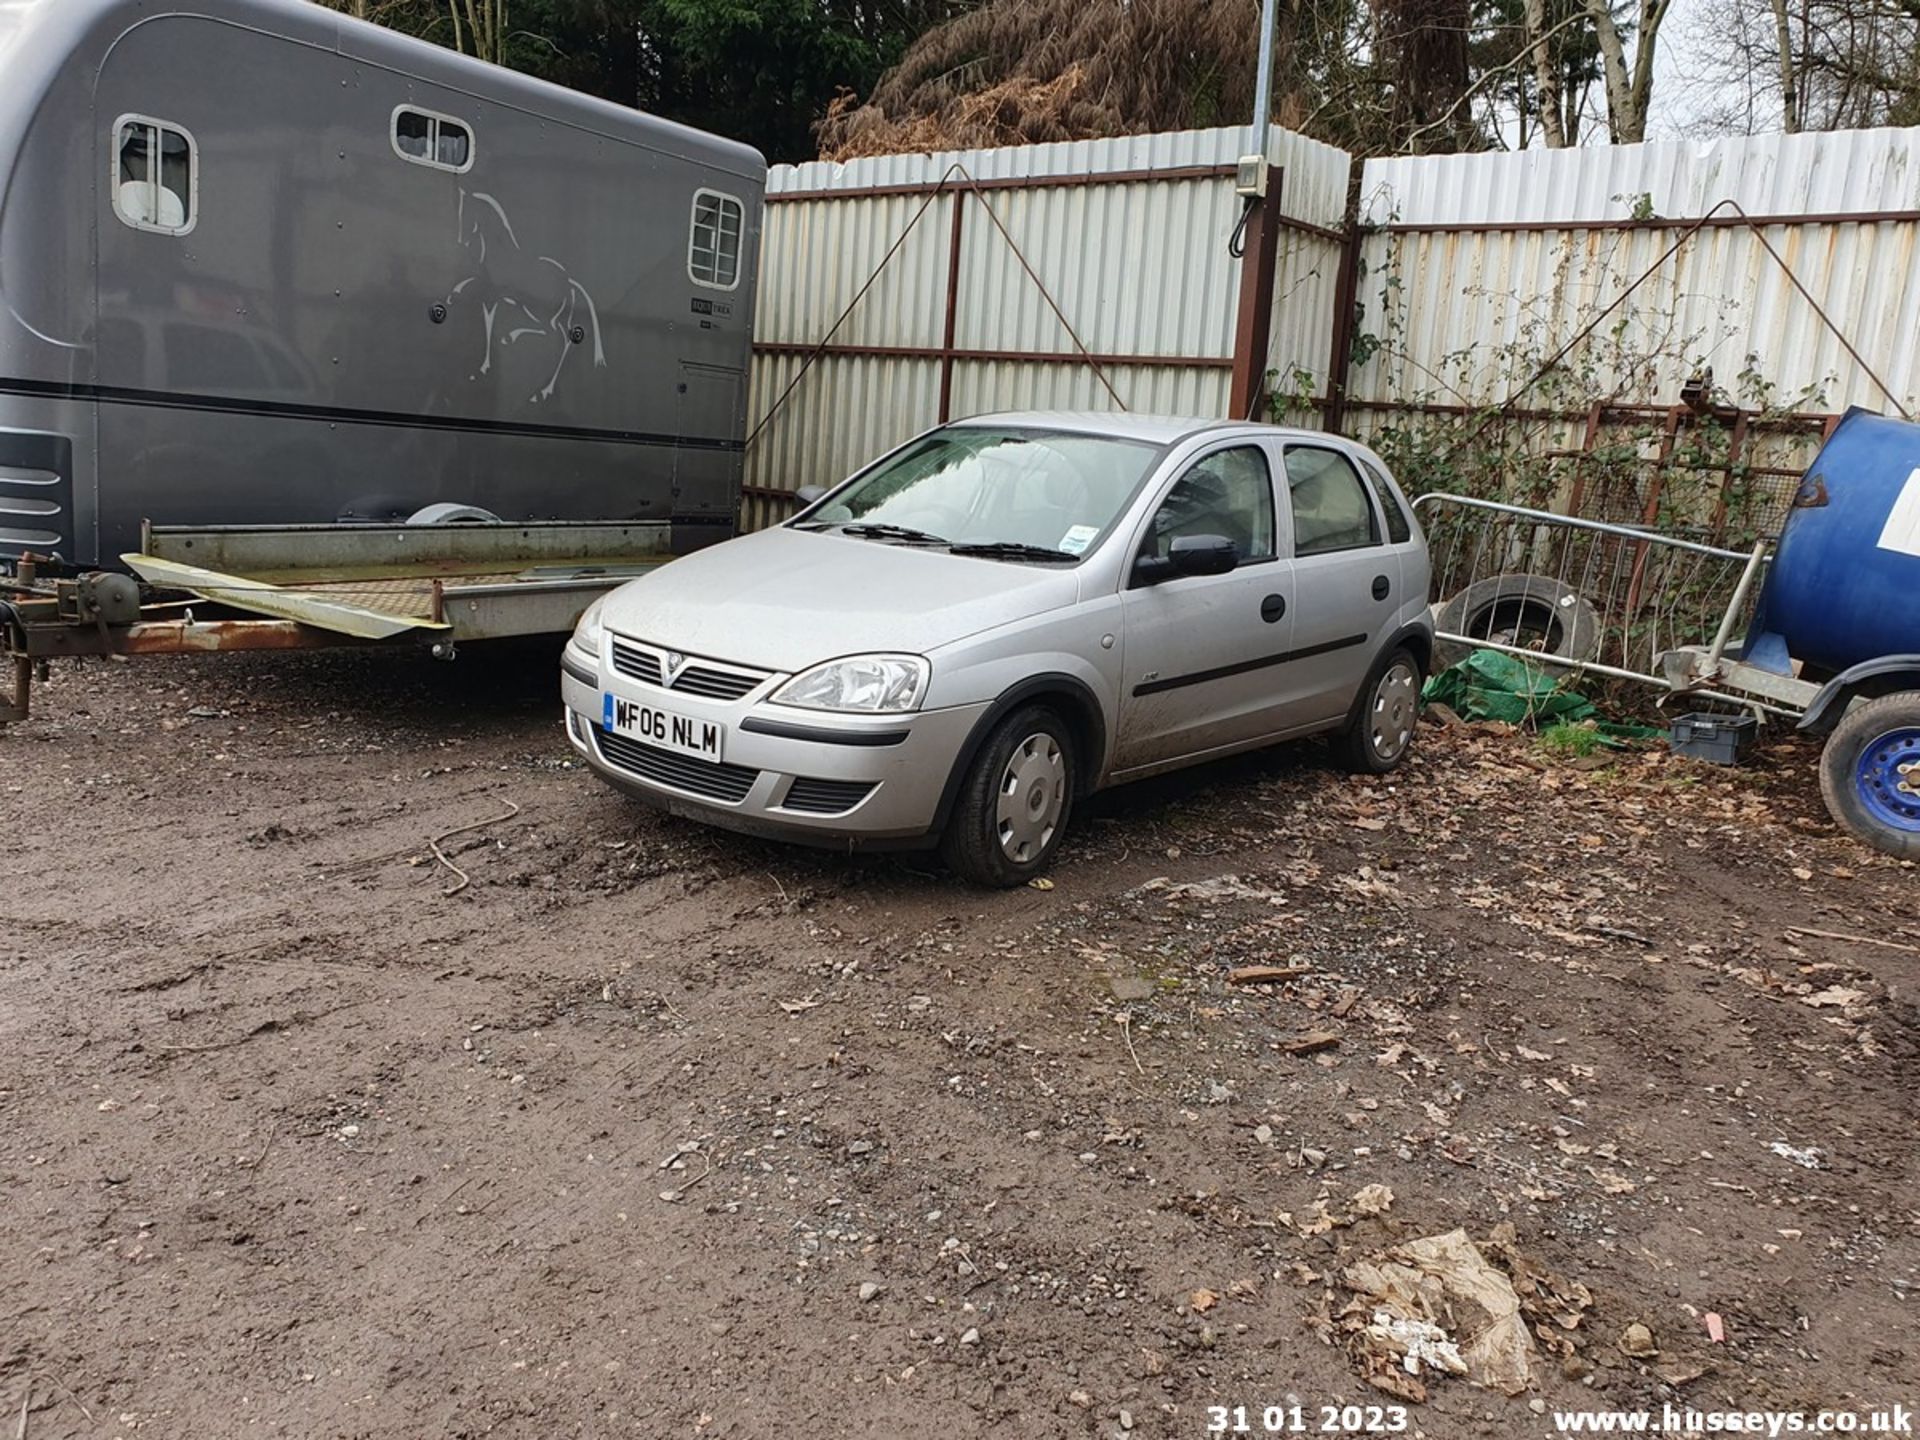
x,y
343,609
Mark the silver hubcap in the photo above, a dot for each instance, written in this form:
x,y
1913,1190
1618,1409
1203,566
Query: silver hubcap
x,y
1395,707
1033,792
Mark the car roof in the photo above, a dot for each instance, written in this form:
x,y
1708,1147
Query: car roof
x,y
1156,429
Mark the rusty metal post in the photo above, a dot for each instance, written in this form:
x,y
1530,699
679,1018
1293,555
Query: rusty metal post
x,y
953,305
1253,327
1346,287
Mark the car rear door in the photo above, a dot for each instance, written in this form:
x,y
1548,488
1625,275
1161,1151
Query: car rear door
x,y
1198,651
1347,583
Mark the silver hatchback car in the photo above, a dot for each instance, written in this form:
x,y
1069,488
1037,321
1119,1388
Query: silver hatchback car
x,y
1004,615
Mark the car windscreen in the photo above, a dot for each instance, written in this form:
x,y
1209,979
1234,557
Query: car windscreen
x,y
975,486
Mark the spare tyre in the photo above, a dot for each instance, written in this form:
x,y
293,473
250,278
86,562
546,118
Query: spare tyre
x,y
1529,612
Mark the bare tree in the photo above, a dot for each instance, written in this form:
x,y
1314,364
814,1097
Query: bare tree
x,y
1546,76
479,27
1803,65
1789,92
1629,86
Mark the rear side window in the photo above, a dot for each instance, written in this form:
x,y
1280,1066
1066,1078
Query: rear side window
x,y
1330,507
713,249
427,138
156,175
1399,529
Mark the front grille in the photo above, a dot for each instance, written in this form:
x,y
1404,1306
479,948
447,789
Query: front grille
x,y
715,781
642,665
826,797
713,684
708,682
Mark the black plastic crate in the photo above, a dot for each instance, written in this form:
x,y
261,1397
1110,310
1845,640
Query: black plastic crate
x,y
1721,739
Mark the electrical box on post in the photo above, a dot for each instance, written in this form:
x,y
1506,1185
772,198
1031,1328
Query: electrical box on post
x,y
1250,177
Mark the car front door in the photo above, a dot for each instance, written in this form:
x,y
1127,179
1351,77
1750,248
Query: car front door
x,y
1198,650
1346,579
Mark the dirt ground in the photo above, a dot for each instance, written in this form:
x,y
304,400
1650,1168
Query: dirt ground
x,y
656,1131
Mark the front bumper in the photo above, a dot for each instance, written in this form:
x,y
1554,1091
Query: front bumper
x,y
842,781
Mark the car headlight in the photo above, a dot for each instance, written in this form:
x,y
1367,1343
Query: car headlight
x,y
586,635
875,684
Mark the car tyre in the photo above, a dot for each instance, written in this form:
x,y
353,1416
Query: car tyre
x,y
1379,733
1015,800
1870,773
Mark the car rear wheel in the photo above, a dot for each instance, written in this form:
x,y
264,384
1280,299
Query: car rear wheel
x,y
1870,773
1380,732
1014,800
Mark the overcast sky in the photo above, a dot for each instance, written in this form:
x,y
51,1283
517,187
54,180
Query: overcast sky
x,y
1688,105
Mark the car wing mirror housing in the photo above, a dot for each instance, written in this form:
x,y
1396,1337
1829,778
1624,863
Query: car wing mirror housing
x,y
807,494
1203,555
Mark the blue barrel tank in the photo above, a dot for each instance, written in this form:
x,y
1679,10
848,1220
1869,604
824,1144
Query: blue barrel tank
x,y
1845,581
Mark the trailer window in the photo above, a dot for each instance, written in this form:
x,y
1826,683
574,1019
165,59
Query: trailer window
x,y
713,253
429,139
155,175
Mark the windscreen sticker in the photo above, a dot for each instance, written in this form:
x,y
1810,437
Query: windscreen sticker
x,y
1076,540
1902,530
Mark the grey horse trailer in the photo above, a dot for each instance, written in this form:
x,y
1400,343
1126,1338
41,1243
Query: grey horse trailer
x,y
262,263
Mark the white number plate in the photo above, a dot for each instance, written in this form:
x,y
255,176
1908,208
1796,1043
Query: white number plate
x,y
649,724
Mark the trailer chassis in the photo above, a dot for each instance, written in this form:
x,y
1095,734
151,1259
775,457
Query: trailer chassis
x,y
310,587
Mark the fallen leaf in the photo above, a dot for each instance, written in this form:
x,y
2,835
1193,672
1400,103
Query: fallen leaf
x,y
1373,1199
1310,1043
1040,882
1613,1182
795,1007
1202,1301
1265,974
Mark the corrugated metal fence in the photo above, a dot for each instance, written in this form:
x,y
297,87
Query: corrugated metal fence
x,y
898,291
971,281
1479,263
1694,315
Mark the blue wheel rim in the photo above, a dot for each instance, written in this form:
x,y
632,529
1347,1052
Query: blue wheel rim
x,y
1890,792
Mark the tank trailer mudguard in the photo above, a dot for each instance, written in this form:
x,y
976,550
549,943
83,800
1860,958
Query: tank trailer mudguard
x,y
1847,681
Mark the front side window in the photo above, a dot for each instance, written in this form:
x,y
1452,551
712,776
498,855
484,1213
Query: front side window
x,y
1057,493
155,175
1230,493
1330,507
439,141
713,250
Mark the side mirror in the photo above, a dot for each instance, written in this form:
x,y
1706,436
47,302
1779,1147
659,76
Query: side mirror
x,y
1203,555
807,494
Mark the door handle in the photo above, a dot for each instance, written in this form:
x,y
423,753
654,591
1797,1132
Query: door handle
x,y
1273,607
1381,587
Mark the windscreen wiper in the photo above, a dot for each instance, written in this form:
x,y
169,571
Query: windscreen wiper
x,y
904,533
1011,550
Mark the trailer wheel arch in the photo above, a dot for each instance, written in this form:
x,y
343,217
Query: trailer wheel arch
x,y
1870,679
447,512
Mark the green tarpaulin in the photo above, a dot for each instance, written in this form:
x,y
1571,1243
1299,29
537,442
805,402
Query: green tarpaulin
x,y
1492,685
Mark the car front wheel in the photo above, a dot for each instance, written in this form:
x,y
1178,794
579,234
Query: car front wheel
x,y
1014,800
1380,732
